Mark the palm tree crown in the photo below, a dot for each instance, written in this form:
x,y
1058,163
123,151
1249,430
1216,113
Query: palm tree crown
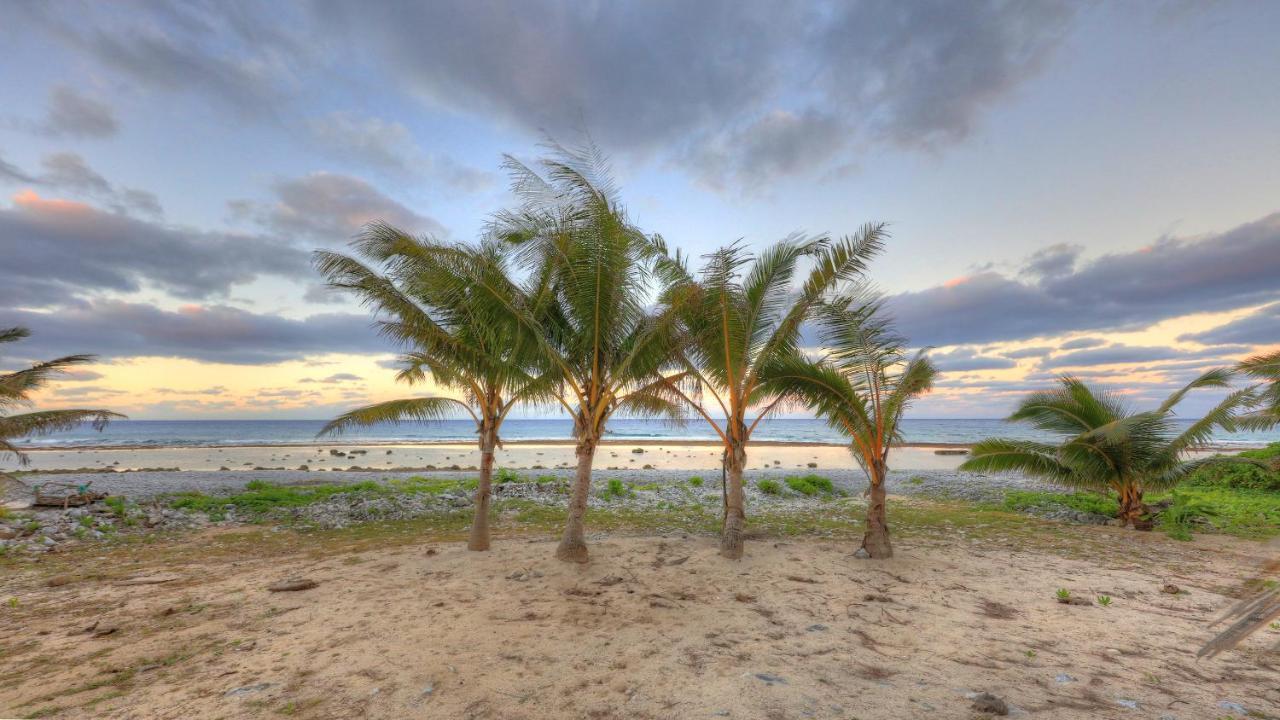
x,y
862,387
1107,446
741,318
1266,369
450,332
15,392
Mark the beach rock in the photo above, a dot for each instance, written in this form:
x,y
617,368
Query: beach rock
x,y
248,689
1234,707
1170,589
770,679
861,554
7,533
292,585
987,703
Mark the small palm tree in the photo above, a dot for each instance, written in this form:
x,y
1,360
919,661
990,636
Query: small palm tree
x,y
584,305
1106,446
862,388
741,318
15,391
1266,369
454,338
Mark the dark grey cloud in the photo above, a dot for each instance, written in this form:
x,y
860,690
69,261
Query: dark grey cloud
x,y
967,358
1120,291
1082,343
55,249
1053,261
71,114
714,82
1030,352
330,208
242,54
1128,354
921,73
1262,327
68,174
212,333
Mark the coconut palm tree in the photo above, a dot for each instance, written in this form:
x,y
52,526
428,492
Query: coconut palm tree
x,y
862,388
1266,369
452,337
584,304
15,391
740,321
1108,447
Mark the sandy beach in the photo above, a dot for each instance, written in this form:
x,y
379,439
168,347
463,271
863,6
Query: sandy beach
x,y
656,626
691,456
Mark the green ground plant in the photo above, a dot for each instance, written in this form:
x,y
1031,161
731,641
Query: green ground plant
x,y
769,487
811,485
1241,476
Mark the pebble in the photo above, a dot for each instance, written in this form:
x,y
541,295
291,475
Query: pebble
x,y
1131,704
248,689
770,679
1064,678
1234,707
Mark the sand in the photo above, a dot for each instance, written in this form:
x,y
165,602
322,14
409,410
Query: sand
x,y
698,457
652,627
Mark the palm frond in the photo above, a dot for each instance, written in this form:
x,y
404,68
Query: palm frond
x,y
395,412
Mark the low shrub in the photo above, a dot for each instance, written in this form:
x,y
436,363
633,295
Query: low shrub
x,y
1239,475
811,485
505,475
695,481
1079,501
769,487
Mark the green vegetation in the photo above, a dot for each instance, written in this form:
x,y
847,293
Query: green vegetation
x,y
1104,600
811,485
1239,475
695,481
506,475
260,497
1107,446
116,504
1023,500
615,489
769,487
15,393
1063,594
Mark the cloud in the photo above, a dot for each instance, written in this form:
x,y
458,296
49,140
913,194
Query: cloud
x,y
71,114
68,174
1262,327
966,358
921,73
1053,261
331,208
55,249
737,85
390,147
1119,291
341,378
1128,354
241,55
214,333
1081,343
1039,351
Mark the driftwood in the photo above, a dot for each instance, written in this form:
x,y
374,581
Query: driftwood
x,y
64,494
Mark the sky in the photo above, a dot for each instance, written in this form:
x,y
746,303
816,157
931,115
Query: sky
x,y
1084,188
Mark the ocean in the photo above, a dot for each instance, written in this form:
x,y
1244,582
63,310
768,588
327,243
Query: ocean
x,y
186,433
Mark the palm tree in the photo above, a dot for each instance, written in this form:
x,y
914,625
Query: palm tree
x,y
1265,368
741,325
583,304
15,390
862,387
455,338
1106,446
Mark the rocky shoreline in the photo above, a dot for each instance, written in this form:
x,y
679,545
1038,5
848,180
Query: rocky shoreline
x,y
143,501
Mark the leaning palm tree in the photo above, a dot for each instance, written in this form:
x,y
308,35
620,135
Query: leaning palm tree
x,y
1266,369
862,387
741,318
583,304
15,391
1107,447
454,338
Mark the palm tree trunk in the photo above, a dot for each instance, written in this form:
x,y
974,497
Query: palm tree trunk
x,y
573,546
875,541
1132,510
480,524
735,516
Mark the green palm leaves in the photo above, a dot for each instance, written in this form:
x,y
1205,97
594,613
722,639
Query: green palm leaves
x,y
1266,370
15,391
1106,446
424,294
862,387
740,321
